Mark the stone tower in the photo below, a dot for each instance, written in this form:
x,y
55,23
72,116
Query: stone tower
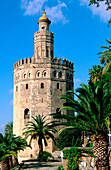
x,y
38,83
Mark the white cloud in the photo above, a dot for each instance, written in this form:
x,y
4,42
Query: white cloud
x,y
55,13
32,7
100,11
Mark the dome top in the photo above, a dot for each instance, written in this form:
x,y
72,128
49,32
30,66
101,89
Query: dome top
x,y
43,18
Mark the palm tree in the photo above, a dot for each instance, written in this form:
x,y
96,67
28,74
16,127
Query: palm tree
x,y
9,146
6,151
93,109
9,128
95,72
39,129
20,144
105,57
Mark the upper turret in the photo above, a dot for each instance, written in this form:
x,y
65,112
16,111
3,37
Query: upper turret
x,y
43,23
43,41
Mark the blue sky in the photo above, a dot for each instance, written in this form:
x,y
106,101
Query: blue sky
x,y
79,31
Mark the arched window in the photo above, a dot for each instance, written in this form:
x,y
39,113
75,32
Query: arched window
x,y
42,85
25,75
54,73
44,74
37,74
57,111
26,114
60,74
29,74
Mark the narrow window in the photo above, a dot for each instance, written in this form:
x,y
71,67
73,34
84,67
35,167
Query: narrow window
x,y
47,53
26,114
57,85
60,74
57,111
42,100
26,86
42,85
54,73
16,88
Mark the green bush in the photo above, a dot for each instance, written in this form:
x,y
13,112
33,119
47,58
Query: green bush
x,y
44,156
73,156
60,167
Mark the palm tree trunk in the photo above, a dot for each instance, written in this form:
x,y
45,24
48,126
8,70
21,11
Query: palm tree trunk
x,y
10,162
15,161
5,164
40,145
100,150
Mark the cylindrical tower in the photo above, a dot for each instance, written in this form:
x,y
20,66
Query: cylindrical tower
x,y
38,83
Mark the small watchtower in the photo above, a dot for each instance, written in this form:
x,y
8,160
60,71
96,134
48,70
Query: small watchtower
x,y
38,83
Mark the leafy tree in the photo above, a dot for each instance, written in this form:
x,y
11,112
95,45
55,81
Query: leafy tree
x,y
9,128
39,129
97,3
68,138
93,109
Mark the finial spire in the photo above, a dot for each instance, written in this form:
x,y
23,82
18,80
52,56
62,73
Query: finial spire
x,y
43,8
44,18
43,11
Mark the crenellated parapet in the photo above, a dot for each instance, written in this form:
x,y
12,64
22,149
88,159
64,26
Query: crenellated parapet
x,y
32,60
23,62
63,62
